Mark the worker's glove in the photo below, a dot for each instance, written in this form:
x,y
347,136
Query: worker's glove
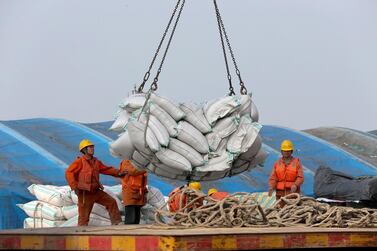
x,y
270,192
293,188
122,174
76,191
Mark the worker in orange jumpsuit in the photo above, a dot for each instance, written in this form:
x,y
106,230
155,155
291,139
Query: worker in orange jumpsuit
x,y
287,175
83,177
174,204
134,189
216,195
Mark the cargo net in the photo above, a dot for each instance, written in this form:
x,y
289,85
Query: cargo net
x,y
243,210
188,141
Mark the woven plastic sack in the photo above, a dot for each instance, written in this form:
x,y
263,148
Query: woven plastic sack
x,y
195,117
192,136
195,158
223,128
122,147
121,121
174,111
41,223
50,195
40,209
137,134
165,119
173,159
220,108
133,102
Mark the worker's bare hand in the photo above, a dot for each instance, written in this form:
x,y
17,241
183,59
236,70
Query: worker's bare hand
x,y
293,188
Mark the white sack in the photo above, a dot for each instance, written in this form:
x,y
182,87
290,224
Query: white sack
x,y
155,198
122,147
121,121
220,163
165,119
94,220
139,160
220,108
254,112
240,165
174,111
173,159
41,223
136,131
40,209
196,117
158,129
50,195
240,141
70,211
223,128
192,136
134,102
195,158
116,190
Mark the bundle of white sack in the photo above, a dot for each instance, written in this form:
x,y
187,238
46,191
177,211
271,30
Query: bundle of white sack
x,y
56,206
188,141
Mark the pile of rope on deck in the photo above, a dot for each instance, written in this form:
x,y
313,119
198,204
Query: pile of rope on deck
x,y
241,210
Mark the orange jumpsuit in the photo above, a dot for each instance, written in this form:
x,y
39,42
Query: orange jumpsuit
x,y
134,189
83,176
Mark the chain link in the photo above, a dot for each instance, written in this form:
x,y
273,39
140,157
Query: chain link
x,y
147,74
154,84
243,89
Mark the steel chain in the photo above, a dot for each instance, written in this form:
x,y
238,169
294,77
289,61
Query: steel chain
x,y
147,74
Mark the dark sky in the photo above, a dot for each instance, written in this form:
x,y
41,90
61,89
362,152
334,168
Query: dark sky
x,y
308,63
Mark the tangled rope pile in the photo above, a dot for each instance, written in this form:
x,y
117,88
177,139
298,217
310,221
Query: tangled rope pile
x,y
241,210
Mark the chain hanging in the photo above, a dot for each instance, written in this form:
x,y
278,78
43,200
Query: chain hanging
x,y
222,32
154,85
147,74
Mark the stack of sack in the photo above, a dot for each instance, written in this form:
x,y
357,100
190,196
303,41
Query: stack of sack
x,y
57,207
188,141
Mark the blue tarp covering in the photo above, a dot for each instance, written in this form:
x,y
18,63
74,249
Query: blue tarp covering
x,y
39,150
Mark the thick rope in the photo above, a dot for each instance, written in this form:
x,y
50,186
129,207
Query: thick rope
x,y
241,210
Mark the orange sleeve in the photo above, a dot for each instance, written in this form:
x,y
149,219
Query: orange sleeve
x,y
132,171
108,170
300,175
71,173
273,178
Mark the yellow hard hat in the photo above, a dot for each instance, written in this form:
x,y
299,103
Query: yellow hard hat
x,y
212,191
84,143
195,185
287,145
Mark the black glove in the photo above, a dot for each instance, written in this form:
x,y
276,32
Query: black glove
x,y
76,191
122,174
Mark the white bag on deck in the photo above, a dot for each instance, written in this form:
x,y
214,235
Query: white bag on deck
x,y
40,209
51,195
41,223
